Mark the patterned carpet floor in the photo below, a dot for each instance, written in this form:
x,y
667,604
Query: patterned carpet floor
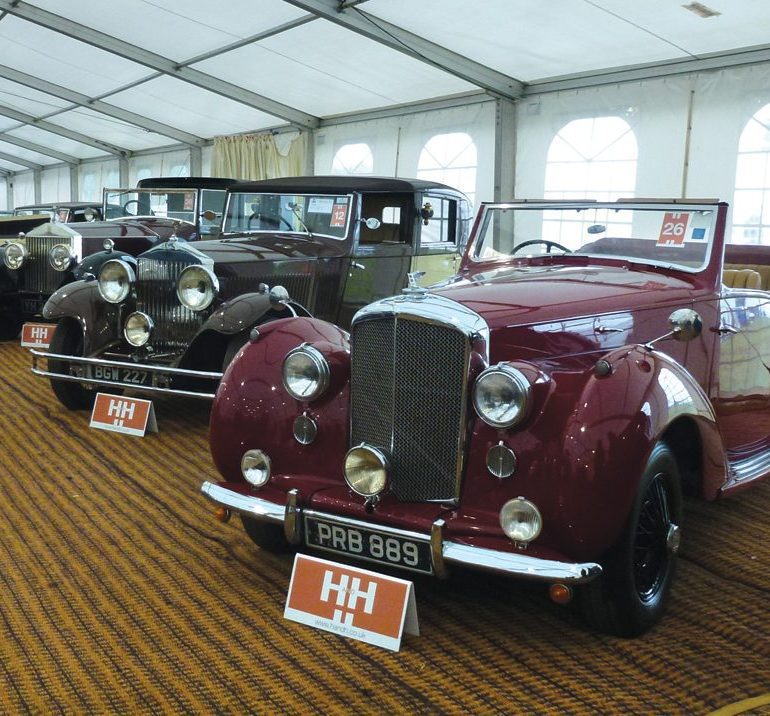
x,y
120,593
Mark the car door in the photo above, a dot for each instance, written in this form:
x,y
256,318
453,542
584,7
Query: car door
x,y
444,223
743,374
382,256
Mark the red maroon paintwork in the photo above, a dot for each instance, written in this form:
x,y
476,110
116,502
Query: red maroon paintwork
x,y
581,449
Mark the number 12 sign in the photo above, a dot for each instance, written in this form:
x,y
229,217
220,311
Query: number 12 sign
x,y
674,229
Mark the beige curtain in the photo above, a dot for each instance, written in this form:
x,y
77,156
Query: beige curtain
x,y
259,156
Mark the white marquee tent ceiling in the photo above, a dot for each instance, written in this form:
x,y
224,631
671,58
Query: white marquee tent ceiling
x,y
92,78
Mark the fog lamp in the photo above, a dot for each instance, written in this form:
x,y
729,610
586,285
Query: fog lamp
x,y
138,328
366,470
14,255
255,466
520,520
304,429
501,461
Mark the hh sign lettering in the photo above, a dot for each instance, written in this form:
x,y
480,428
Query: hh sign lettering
x,y
351,602
37,335
123,415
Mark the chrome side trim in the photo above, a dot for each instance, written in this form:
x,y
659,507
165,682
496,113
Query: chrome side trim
x,y
512,563
751,468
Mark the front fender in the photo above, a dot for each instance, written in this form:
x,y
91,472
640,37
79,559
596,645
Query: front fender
x,y
582,451
245,311
253,410
81,301
92,264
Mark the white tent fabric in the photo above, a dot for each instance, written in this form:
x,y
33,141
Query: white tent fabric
x,y
114,90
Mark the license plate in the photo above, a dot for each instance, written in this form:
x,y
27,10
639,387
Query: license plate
x,y
369,544
118,374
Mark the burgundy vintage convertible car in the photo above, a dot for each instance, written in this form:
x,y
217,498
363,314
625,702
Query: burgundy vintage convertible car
x,y
541,415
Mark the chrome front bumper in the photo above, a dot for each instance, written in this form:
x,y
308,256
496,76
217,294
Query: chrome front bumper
x,y
443,552
159,373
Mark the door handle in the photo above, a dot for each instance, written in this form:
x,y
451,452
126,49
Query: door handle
x,y
355,264
725,329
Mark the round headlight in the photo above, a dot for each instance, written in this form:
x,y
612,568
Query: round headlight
x,y
197,287
305,373
138,328
366,470
90,214
520,520
255,467
61,257
500,396
115,280
14,255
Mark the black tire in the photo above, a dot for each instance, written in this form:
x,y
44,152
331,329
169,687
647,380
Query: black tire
x,y
631,594
266,536
68,340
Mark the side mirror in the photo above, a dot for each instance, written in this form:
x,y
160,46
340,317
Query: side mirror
x,y
686,324
209,215
371,223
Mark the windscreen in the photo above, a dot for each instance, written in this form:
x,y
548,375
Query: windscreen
x,y
172,203
313,214
673,235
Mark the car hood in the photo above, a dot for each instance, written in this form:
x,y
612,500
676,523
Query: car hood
x,y
266,248
540,294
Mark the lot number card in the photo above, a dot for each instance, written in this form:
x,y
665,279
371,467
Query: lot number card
x,y
352,602
37,335
119,414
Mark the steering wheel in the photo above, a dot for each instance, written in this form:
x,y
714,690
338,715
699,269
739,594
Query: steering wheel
x,y
549,245
270,218
134,201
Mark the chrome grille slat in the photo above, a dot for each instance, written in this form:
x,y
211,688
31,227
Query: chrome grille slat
x,y
39,276
175,325
408,398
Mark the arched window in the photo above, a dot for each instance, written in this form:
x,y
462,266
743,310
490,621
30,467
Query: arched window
x,y
751,204
353,159
593,158
450,159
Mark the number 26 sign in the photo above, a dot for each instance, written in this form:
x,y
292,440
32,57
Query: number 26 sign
x,y
674,229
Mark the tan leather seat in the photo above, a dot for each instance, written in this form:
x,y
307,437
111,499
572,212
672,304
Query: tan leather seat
x,y
742,278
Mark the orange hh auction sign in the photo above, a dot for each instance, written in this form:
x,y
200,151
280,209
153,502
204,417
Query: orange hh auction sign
x,y
123,415
352,602
37,335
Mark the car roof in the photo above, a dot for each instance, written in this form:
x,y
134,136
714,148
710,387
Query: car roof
x,y
339,184
185,183
61,205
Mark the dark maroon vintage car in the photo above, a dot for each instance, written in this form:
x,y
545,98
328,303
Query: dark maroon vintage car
x,y
324,246
541,416
51,254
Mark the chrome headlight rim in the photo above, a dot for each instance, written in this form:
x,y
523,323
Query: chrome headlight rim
x,y
320,381
517,381
125,285
65,265
210,288
14,264
520,520
256,467
378,462
140,339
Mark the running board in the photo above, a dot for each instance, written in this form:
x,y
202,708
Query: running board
x,y
746,470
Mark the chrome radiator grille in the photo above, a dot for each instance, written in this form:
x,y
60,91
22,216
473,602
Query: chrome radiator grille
x,y
408,397
38,274
156,296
